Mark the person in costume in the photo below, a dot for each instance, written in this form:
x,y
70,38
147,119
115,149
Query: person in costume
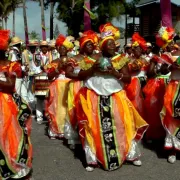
x,y
109,125
16,55
56,104
138,67
170,112
88,42
28,60
42,59
154,90
15,120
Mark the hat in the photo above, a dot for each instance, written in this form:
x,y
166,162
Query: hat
x,y
63,41
52,43
165,36
15,40
44,43
33,42
137,40
148,44
70,38
88,35
108,31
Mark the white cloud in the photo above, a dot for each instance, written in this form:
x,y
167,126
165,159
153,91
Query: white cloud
x,y
34,20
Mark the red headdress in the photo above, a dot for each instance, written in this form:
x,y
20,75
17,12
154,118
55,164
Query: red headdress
x,y
165,36
108,31
63,41
88,36
4,37
137,40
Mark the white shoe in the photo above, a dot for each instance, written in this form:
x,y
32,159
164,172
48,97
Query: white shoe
x,y
51,134
39,120
89,169
22,173
137,162
172,159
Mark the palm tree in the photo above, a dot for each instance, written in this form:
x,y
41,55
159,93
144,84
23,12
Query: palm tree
x,y
34,35
5,10
43,20
25,23
52,4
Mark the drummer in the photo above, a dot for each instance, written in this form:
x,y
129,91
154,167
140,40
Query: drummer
x,y
42,59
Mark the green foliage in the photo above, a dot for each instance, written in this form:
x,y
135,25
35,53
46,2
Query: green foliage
x,y
72,14
34,35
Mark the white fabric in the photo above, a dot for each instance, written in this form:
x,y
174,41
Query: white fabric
x,y
104,85
39,108
55,54
44,58
13,55
18,85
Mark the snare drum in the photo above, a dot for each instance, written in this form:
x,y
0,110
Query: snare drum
x,y
41,83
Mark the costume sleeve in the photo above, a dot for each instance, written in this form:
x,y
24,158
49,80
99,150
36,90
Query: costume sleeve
x,y
15,69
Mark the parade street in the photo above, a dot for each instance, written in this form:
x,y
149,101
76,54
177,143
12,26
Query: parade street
x,y
52,160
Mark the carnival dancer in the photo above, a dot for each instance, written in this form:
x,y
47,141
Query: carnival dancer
x,y
138,67
15,120
42,59
88,43
108,122
170,112
56,104
158,78
28,60
15,55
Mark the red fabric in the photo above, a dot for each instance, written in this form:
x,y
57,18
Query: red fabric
x,y
60,39
134,93
4,37
153,103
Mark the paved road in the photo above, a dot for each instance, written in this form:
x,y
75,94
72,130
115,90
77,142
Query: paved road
x,y
54,161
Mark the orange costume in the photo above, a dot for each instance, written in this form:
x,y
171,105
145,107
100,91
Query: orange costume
x,y
108,122
134,89
56,104
15,128
74,87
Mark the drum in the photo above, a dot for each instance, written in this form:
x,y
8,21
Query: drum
x,y
41,83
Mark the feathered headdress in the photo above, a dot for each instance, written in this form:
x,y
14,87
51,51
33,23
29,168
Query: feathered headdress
x,y
4,37
165,36
108,31
137,40
88,36
62,40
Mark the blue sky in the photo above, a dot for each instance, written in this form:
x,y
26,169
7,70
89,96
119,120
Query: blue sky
x,y
34,20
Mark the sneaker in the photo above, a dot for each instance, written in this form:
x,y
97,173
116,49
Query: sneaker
x,y
89,169
137,162
172,159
